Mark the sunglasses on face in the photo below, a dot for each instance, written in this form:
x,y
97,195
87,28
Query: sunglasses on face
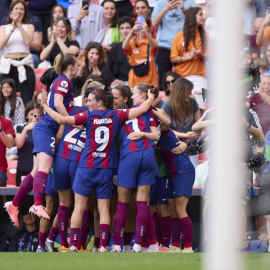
x,y
170,82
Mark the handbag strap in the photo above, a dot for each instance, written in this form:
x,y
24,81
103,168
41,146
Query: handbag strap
x,y
148,52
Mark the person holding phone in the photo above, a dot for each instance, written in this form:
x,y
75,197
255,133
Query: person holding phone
x,y
86,20
169,17
24,140
137,48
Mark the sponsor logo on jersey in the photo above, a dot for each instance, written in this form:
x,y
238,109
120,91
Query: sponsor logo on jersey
x,y
95,154
64,84
75,148
102,121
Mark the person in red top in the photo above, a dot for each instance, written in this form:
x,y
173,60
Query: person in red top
x,y
189,47
7,135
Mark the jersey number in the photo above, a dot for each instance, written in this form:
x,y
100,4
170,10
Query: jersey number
x,y
69,137
102,136
134,123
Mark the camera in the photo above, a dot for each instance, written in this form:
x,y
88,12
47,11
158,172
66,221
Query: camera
x,y
258,163
36,116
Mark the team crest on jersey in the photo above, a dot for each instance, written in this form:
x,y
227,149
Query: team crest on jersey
x,y
136,51
80,114
64,84
71,103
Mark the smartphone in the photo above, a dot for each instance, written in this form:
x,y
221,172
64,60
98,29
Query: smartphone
x,y
268,10
85,3
140,20
36,116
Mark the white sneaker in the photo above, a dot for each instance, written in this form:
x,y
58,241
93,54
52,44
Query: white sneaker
x,y
174,249
136,248
116,248
73,249
102,249
188,250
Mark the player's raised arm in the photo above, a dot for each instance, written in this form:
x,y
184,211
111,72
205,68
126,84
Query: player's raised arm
x,y
60,119
143,108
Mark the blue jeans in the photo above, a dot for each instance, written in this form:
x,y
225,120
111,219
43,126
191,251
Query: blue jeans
x,y
3,179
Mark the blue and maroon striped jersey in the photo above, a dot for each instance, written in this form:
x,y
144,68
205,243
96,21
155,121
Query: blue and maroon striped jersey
x,y
62,86
73,139
175,163
101,132
139,124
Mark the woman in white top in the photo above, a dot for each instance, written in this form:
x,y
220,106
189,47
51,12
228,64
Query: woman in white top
x,y
17,61
12,106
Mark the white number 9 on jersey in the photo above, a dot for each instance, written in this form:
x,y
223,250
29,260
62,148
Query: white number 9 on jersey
x,y
102,137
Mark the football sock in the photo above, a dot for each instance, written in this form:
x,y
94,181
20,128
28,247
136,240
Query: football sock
x,y
42,238
40,181
166,230
83,230
176,232
74,233
141,221
186,228
24,189
151,234
53,233
104,231
62,221
119,222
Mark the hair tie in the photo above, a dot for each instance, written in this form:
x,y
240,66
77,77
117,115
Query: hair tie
x,y
101,97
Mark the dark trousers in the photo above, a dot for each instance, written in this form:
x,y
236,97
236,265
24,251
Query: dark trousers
x,y
19,175
164,64
124,8
27,87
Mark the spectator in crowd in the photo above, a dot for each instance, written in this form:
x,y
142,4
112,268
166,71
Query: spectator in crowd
x,y
4,242
189,50
7,135
63,40
26,240
189,47
142,8
260,102
255,50
168,80
86,21
183,111
263,35
260,6
4,8
141,48
262,65
117,60
81,100
17,62
266,57
42,9
12,106
24,140
112,34
36,43
94,63
169,17
57,11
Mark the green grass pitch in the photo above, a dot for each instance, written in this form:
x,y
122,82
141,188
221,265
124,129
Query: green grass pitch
x,y
116,261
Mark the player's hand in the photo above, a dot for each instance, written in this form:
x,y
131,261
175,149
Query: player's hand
x,y
171,4
151,95
44,97
180,148
135,136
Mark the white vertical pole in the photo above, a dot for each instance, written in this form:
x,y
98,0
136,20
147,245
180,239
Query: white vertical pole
x,y
224,218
